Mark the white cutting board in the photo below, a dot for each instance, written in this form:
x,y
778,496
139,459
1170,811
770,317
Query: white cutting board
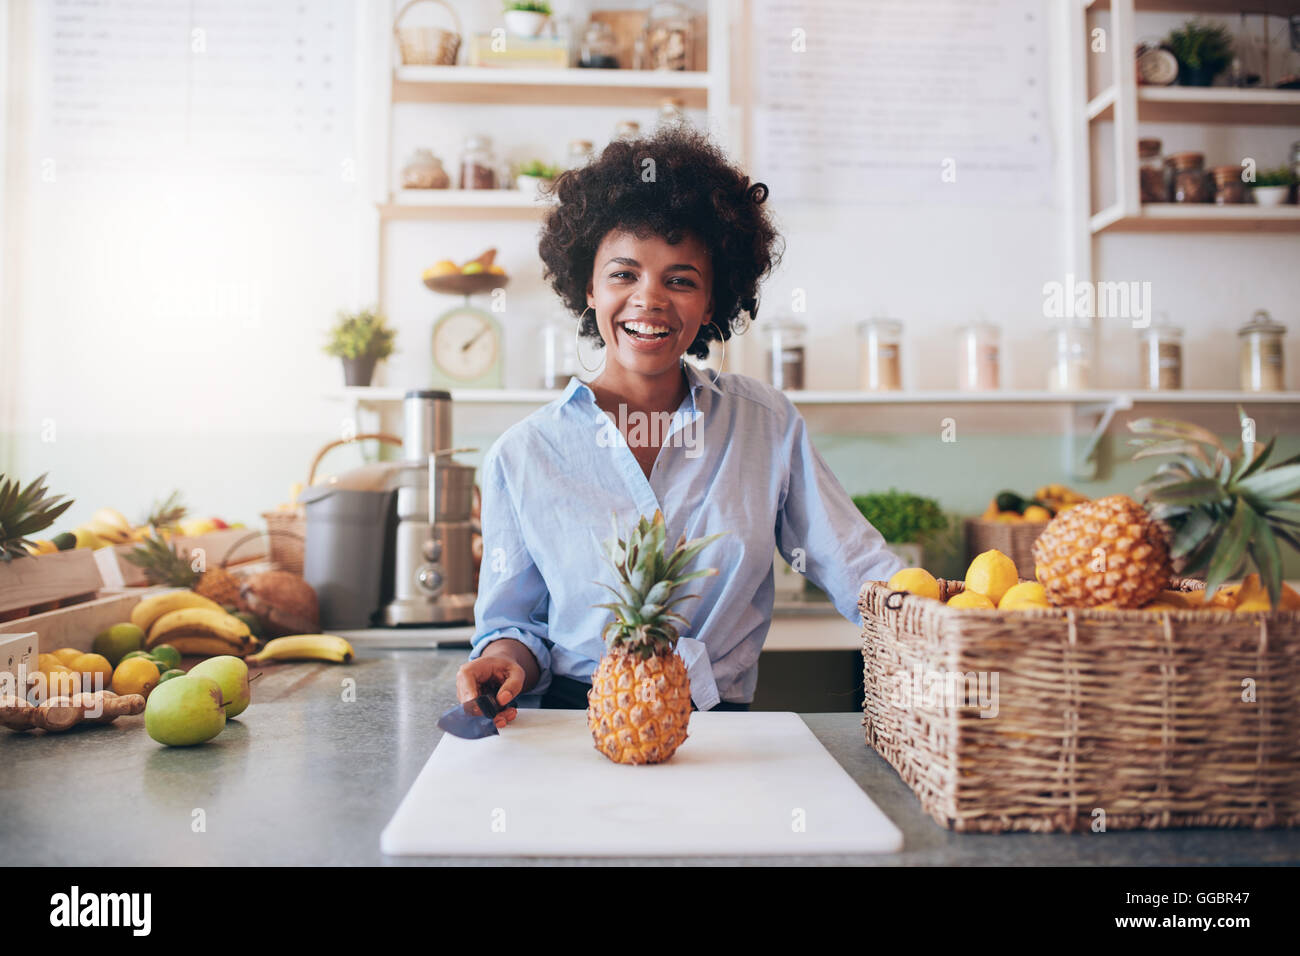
x,y
752,784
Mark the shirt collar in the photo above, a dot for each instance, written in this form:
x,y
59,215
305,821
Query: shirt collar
x,y
696,378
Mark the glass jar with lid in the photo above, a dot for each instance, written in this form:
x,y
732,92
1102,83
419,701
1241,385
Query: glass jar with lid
x,y
1160,357
1228,187
599,50
580,153
1189,181
559,350
627,129
671,112
785,354
978,359
670,37
881,357
1153,183
478,166
1072,357
1262,366
424,171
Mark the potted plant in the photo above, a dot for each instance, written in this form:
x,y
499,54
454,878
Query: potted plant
x,y
1204,50
526,19
532,174
360,339
905,520
1272,187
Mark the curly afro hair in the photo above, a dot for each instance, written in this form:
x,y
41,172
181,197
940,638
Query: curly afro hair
x,y
694,189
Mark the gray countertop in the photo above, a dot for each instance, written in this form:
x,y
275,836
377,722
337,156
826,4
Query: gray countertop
x,y
314,769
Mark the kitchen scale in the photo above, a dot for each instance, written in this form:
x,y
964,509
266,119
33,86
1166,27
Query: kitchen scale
x,y
467,341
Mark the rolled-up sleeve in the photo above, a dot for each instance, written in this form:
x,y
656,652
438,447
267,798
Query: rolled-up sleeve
x,y
821,532
512,597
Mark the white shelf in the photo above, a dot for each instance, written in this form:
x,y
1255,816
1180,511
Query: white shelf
x,y
469,84
1274,7
372,395
1200,104
1199,217
440,203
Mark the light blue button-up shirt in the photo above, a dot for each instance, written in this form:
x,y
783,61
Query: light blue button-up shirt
x,y
737,458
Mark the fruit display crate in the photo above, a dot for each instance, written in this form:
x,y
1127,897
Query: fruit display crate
x,y
1014,539
77,624
1064,719
43,582
228,547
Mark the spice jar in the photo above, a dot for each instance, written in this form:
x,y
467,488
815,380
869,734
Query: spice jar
x,y
1228,187
477,164
599,47
1072,355
1160,357
424,171
669,37
1189,181
627,129
977,367
1152,182
785,355
670,113
579,153
881,369
1262,367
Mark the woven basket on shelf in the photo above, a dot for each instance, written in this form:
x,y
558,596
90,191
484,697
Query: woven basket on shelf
x,y
1014,539
427,46
1125,719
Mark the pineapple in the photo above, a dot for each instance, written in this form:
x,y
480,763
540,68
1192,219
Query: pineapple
x,y
23,512
163,565
1221,507
640,699
1107,551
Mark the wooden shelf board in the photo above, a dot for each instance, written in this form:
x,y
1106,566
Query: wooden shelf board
x,y
442,203
575,87
1275,7
1200,217
1188,104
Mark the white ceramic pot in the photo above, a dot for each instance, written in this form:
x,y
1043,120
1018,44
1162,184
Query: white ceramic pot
x,y
524,23
529,185
1271,195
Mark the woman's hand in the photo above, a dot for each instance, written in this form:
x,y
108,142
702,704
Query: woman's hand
x,y
497,676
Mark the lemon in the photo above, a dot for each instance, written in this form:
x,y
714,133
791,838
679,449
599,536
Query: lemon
x,y
472,268
1029,594
970,598
915,581
993,574
66,655
95,670
443,267
1037,513
137,675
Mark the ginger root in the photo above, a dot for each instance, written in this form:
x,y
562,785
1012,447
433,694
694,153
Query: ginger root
x,y
60,713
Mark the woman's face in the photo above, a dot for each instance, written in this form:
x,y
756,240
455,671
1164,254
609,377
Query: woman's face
x,y
649,283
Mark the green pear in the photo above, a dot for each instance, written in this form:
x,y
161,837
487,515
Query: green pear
x,y
118,641
232,674
184,711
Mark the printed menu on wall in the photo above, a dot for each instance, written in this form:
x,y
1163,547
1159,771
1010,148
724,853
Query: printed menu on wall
x,y
242,88
882,101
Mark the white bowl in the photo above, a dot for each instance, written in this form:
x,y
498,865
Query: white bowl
x,y
1271,195
524,23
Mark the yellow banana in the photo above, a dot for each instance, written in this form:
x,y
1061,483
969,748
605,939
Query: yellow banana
x,y
304,647
191,646
198,622
148,611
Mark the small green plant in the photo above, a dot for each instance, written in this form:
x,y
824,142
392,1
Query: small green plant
x,y
535,167
530,7
360,334
1282,176
1201,47
902,518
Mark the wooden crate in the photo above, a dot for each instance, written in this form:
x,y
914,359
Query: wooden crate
x,y
228,547
77,625
43,582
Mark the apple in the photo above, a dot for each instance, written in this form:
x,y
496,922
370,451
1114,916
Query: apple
x,y
185,711
231,674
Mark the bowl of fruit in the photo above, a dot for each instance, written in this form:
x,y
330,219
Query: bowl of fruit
x,y
475,276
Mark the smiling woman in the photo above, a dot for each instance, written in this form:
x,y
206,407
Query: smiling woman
x,y
657,247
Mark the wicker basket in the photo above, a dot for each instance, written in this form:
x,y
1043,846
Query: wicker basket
x,y
1015,540
1139,715
287,534
427,46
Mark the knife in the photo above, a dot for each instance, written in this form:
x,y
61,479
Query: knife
x,y
474,718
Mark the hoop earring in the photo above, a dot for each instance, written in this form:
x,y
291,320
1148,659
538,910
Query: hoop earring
x,y
723,363
577,340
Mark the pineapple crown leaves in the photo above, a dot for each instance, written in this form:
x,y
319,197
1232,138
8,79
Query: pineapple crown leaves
x,y
162,563
1220,505
167,514
25,511
647,576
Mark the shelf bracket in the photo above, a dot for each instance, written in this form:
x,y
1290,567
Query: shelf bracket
x,y
1085,426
